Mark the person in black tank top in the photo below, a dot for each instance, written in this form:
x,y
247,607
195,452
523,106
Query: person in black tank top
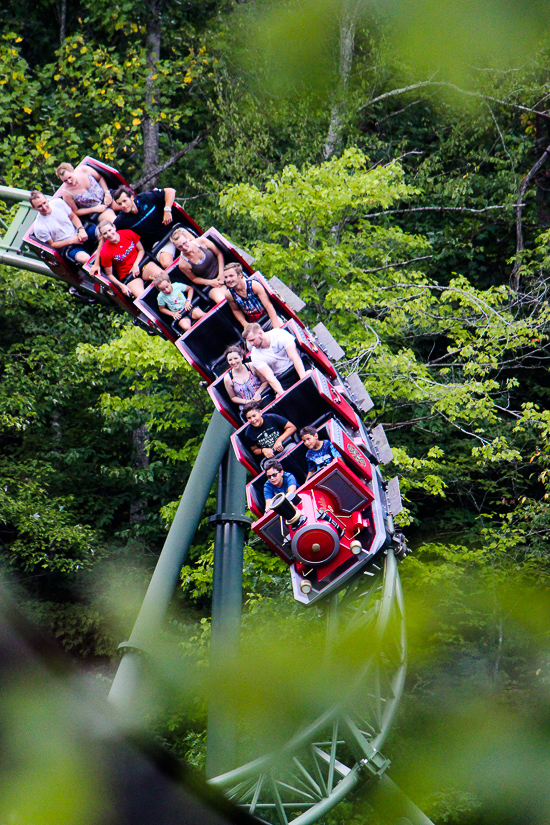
x,y
202,262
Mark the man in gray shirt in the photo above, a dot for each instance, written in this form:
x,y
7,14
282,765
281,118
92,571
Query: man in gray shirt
x,y
59,227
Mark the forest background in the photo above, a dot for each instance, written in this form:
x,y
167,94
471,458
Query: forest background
x,y
396,178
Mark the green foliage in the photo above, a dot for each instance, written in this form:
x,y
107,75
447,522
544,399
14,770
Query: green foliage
x,y
81,630
264,575
454,359
45,536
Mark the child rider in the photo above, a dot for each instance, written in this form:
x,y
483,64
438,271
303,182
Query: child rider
x,y
319,453
277,481
175,300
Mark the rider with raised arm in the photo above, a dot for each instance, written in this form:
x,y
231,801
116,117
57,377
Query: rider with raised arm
x,y
149,214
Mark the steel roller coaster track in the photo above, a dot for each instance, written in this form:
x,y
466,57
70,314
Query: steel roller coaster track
x,y
334,754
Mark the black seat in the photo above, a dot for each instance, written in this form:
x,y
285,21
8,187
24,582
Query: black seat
x,y
175,323
159,244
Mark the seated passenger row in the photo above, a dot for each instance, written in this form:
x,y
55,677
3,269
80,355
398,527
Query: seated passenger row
x,y
149,215
132,248
124,239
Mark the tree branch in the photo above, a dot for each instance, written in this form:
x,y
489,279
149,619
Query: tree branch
x,y
514,276
438,209
448,85
170,162
401,263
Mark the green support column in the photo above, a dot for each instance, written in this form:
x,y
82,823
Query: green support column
x,y
226,605
126,685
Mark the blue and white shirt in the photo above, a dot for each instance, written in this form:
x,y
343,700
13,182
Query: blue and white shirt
x,y
316,459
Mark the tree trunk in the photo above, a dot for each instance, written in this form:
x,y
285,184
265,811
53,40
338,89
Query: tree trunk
x,y
62,21
520,246
140,461
333,142
542,135
149,126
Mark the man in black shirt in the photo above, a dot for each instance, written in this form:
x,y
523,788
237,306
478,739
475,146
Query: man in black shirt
x,y
149,214
265,433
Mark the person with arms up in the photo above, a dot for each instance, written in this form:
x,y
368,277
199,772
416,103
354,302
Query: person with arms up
x,y
265,434
277,482
59,227
273,353
175,300
247,298
149,214
319,453
120,257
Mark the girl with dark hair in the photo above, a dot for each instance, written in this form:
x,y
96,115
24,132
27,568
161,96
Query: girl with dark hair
x,y
243,384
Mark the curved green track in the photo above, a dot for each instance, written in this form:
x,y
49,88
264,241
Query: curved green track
x,y
340,750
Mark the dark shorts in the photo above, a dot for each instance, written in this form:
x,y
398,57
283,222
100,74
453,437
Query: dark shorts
x,y
130,277
69,252
208,289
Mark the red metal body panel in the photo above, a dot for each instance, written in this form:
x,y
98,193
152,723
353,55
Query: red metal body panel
x,y
127,304
241,455
217,235
225,411
326,500
53,259
307,343
319,477
277,302
103,167
349,449
251,499
336,400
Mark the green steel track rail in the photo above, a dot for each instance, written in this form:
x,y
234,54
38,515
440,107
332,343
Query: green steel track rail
x,y
340,751
11,251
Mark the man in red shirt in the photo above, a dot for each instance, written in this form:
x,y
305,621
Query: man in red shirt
x,y
120,256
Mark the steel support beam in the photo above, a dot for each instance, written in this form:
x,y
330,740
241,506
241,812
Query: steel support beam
x,y
226,606
126,685
394,806
23,262
10,193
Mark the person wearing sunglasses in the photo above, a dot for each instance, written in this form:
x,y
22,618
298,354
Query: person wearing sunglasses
x,y
277,482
